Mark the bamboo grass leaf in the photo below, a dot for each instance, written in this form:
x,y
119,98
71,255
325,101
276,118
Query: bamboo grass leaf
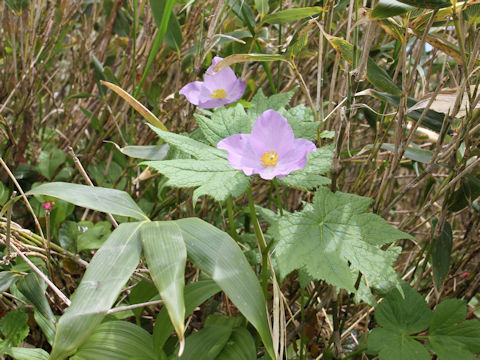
x,y
218,256
107,273
166,258
111,201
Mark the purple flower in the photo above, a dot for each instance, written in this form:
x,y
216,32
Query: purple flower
x,y
218,89
270,150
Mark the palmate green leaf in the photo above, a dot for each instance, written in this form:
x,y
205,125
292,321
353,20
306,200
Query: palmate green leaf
x,y
393,345
310,177
216,178
211,173
218,256
451,337
224,122
301,119
261,103
117,340
408,314
166,257
399,317
333,232
107,273
96,198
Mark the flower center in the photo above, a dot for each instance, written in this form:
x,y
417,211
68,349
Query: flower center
x,y
270,158
219,94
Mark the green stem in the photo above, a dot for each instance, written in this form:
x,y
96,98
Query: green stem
x,y
277,196
260,242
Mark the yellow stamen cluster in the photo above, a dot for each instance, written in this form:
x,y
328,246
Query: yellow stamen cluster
x,y
219,94
270,158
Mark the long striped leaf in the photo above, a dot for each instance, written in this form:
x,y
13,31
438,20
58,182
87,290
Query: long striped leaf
x,y
107,273
111,201
217,255
166,258
117,340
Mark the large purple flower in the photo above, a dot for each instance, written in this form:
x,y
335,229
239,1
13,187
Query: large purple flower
x,y
218,89
270,150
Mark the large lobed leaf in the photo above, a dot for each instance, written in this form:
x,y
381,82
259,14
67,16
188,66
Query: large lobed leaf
x,y
210,172
211,177
261,103
451,337
224,122
401,316
334,236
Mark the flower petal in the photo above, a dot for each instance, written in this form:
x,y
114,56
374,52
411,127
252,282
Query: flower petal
x,y
236,90
296,158
271,132
221,80
192,91
240,154
225,76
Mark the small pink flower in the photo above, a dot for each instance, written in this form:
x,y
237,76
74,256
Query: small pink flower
x,y
48,205
465,275
221,88
270,150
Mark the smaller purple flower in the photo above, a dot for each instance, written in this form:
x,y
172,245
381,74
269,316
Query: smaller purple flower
x,y
217,89
270,150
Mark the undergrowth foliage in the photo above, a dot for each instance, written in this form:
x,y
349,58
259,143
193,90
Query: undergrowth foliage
x,y
314,197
